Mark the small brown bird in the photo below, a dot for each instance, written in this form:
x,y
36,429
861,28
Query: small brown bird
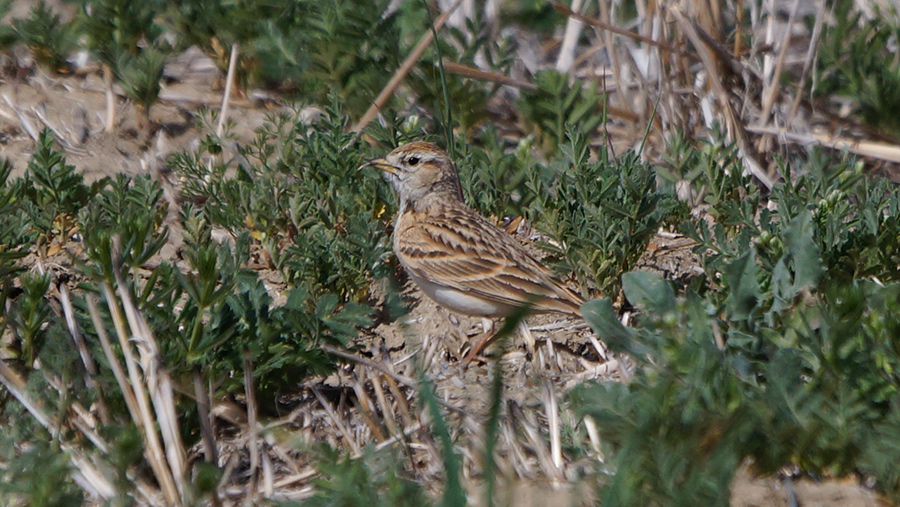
x,y
457,257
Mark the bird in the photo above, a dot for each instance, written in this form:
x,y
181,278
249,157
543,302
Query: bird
x,y
456,256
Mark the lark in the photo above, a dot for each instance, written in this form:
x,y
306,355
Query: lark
x,y
457,257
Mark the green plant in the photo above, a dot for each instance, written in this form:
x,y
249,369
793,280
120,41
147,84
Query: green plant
x,y
7,33
603,213
825,379
554,105
785,352
52,191
126,38
856,61
309,48
371,480
47,36
324,245
140,77
495,180
468,99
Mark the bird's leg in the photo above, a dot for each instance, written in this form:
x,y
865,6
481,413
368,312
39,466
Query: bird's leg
x,y
483,341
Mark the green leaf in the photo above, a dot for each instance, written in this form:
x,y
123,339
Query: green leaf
x,y
648,291
740,276
601,316
798,238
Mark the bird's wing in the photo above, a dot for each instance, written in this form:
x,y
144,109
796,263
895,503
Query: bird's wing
x,y
464,251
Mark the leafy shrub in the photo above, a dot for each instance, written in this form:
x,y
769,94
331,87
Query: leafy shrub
x,y
50,40
549,110
856,62
325,245
813,397
313,48
603,212
784,353
467,98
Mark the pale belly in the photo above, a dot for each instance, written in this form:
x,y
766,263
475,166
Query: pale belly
x,y
461,302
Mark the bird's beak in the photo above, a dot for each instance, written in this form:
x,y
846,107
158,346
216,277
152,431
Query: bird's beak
x,y
382,165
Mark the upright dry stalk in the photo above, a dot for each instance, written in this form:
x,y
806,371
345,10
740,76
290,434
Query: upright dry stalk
x,y
734,127
110,97
574,27
229,85
207,434
86,358
144,419
250,393
159,386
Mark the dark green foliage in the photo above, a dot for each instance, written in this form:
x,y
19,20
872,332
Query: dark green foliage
x,y
711,167
25,478
352,49
118,29
857,62
124,35
47,36
13,237
603,213
315,48
123,226
549,110
8,34
495,180
824,384
327,249
327,246
468,98
140,77
369,481
829,224
28,316
786,352
57,188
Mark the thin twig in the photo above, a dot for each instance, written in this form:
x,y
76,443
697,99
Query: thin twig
x,y
773,85
553,425
475,73
207,435
618,31
735,128
882,151
386,407
408,382
342,428
402,72
808,62
250,393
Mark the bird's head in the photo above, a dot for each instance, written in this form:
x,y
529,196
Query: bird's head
x,y
418,169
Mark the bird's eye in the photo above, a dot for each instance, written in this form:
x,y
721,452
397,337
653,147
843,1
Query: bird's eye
x,y
412,160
